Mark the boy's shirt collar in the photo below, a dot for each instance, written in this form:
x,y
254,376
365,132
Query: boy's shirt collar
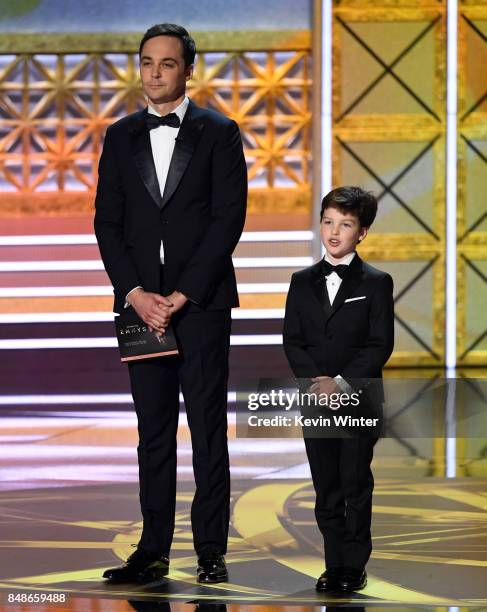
x,y
345,261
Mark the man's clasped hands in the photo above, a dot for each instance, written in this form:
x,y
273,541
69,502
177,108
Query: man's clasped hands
x,y
156,310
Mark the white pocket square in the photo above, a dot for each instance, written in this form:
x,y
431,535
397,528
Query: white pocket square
x,y
360,297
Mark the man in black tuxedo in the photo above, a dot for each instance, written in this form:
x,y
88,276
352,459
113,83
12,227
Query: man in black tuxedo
x,y
339,331
170,209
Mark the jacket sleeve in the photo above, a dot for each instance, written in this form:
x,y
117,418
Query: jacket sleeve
x,y
109,223
210,261
302,364
377,349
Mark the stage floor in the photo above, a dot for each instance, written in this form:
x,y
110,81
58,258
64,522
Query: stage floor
x,y
69,509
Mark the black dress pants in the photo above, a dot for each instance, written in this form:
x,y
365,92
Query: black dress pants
x,y
343,481
201,370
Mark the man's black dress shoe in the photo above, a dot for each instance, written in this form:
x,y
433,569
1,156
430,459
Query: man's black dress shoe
x,y
352,580
212,568
141,566
329,580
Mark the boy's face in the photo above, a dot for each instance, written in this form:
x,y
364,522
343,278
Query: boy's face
x,y
162,69
340,232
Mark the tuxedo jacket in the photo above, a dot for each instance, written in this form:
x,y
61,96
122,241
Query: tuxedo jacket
x,y
199,217
352,338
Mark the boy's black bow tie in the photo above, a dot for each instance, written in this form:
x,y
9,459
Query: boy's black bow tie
x,y
154,121
341,269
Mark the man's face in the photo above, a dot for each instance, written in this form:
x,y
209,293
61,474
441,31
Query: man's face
x,y
340,232
162,69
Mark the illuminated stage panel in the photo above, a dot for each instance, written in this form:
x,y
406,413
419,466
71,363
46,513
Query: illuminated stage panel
x,y
62,272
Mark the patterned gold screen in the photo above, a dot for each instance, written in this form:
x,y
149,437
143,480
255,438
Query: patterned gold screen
x,y
389,136
55,107
472,184
389,124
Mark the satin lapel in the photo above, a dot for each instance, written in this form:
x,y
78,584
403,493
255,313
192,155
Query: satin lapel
x,y
318,284
188,137
348,284
142,152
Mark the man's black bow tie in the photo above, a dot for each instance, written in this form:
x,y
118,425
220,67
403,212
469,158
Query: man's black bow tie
x,y
341,269
154,121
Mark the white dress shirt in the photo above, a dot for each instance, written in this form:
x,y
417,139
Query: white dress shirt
x,y
333,281
163,140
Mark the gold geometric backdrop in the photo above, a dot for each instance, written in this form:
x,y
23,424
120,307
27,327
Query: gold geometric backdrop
x,y
472,184
54,109
389,126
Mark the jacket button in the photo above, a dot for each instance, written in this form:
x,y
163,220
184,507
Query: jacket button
x,y
329,336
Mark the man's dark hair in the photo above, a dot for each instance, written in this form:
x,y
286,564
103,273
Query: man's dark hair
x,y
353,200
171,29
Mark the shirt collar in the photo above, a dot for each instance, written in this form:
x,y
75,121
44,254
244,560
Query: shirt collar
x,y
179,110
345,261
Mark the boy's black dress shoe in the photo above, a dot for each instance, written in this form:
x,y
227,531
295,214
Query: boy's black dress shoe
x,y
352,580
212,568
141,566
329,580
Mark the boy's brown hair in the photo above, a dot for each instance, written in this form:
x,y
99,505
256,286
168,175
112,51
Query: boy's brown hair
x,y
352,200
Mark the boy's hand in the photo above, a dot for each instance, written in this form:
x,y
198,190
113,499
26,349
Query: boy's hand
x,y
325,385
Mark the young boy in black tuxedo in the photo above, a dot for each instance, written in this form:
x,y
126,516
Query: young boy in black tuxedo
x,y
338,329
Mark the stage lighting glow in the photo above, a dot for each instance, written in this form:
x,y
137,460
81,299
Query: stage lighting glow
x,y
75,291
86,265
82,399
74,239
80,291
326,96
104,317
450,427
89,343
451,184
277,236
272,262
263,287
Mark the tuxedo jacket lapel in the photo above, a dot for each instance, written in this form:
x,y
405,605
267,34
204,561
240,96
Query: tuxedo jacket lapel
x,y
318,284
144,161
186,141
